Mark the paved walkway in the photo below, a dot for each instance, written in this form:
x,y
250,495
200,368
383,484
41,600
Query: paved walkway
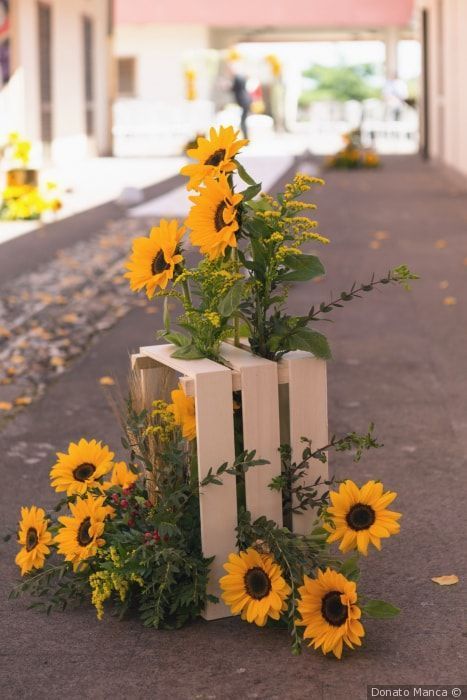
x,y
400,361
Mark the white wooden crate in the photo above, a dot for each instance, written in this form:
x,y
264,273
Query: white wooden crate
x,y
269,416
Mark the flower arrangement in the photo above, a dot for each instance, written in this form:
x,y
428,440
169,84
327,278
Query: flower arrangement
x,y
22,198
353,155
27,202
17,150
130,535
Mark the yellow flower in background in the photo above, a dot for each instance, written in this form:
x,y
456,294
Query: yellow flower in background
x,y
360,516
274,64
327,606
214,155
191,92
254,587
183,409
34,537
154,257
213,218
81,467
121,476
80,534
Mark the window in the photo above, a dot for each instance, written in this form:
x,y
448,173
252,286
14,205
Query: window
x,y
126,73
88,67
45,70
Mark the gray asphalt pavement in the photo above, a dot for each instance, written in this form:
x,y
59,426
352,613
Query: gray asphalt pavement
x,y
400,361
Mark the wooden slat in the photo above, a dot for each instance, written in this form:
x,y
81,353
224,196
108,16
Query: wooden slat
x,y
218,504
215,445
261,430
308,418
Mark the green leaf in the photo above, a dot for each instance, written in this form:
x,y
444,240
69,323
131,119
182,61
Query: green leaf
x,y
251,192
243,174
350,569
177,338
303,267
380,609
188,352
231,301
310,341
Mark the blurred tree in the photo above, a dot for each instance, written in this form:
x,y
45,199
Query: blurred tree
x,y
339,83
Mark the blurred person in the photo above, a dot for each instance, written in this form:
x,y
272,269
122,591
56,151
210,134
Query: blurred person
x,y
395,94
242,96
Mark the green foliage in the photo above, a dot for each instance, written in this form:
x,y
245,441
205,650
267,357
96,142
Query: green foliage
x,y
339,83
380,609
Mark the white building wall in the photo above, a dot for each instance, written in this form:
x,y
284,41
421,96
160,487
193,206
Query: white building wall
x,y
447,72
68,113
161,53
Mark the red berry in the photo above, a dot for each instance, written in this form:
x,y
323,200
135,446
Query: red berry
x,y
131,522
126,491
148,535
115,497
124,503
156,536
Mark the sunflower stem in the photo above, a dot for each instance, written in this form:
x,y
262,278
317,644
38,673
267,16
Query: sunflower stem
x,y
186,292
234,254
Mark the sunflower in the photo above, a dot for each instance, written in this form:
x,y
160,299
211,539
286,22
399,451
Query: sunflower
x,y
329,613
81,467
214,155
359,516
214,217
121,476
34,536
154,257
183,409
80,535
254,587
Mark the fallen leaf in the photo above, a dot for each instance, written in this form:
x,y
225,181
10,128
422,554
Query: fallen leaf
x,y
5,406
57,361
23,400
375,245
23,343
446,580
444,284
106,381
11,371
441,243
151,310
449,301
69,318
381,235
4,332
40,332
17,359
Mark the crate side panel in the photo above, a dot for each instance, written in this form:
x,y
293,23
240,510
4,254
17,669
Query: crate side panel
x,y
308,418
261,428
218,504
261,432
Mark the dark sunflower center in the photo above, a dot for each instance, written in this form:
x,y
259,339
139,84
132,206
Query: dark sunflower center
x,y
332,609
32,539
216,158
360,517
257,583
83,471
159,263
84,538
219,222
